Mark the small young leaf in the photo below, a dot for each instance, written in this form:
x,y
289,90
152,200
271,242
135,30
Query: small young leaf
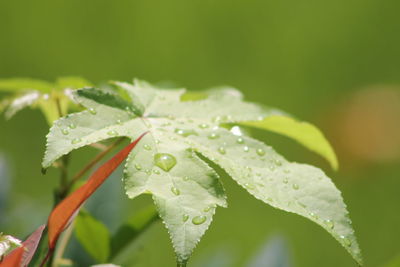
x,y
303,132
22,256
22,102
16,84
93,235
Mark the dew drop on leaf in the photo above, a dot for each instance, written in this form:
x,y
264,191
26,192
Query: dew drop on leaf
x,y
295,186
147,147
186,178
76,141
64,131
222,150
313,215
175,191
185,217
329,224
138,166
185,132
203,126
285,180
246,149
199,219
346,241
147,171
119,122
240,140
260,152
72,126
207,209
213,136
165,161
92,111
112,133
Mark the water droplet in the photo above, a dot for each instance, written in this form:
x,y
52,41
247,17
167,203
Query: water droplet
x,y
165,161
175,191
203,126
147,171
222,150
64,131
119,122
199,219
138,166
260,152
92,111
112,133
216,119
185,217
286,171
157,141
246,149
76,141
147,147
240,140
185,132
72,126
271,167
285,180
207,209
213,136
295,186
186,178
156,171
329,224
313,215
346,241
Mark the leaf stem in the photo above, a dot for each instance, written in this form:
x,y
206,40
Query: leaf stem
x,y
90,165
63,245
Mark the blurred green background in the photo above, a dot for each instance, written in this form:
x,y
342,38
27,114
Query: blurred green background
x,y
334,63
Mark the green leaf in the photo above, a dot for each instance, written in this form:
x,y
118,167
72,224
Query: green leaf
x,y
72,82
303,132
166,163
292,187
94,236
51,98
17,84
22,102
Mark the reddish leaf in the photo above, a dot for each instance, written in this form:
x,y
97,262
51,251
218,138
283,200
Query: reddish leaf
x,y
22,256
64,211
13,259
31,244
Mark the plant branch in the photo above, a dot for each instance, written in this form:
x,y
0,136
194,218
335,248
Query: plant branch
x,y
92,163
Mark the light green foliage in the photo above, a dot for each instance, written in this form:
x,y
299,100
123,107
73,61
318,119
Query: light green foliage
x,y
94,236
8,243
167,163
303,132
52,99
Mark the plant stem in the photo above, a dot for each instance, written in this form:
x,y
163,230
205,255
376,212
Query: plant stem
x,y
63,245
90,165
